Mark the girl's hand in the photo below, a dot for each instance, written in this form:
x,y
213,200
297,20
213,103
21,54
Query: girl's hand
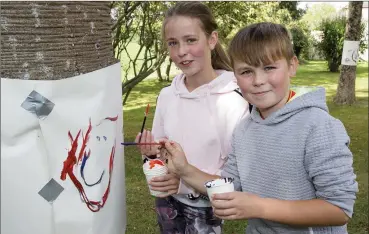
x,y
177,162
147,137
236,205
168,183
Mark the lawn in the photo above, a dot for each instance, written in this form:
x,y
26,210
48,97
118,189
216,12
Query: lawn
x,y
140,209
133,48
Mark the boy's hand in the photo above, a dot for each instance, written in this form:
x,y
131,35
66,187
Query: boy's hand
x,y
177,162
236,205
168,183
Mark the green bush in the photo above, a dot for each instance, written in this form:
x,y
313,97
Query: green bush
x,y
332,41
331,45
300,37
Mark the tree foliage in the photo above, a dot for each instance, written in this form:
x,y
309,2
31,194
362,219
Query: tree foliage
x,y
291,6
317,13
332,42
232,16
137,24
137,32
300,36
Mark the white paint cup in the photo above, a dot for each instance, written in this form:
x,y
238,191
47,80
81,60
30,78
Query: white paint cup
x,y
221,185
154,168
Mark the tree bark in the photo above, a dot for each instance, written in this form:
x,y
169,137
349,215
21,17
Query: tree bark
x,y
167,72
54,40
333,67
346,84
158,72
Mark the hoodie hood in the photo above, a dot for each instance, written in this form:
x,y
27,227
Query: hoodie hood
x,y
305,97
224,83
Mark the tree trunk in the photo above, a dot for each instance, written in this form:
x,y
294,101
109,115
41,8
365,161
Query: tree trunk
x,y
333,67
126,96
158,72
167,72
54,40
346,84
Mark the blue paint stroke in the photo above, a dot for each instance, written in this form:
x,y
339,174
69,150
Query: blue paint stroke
x,y
84,160
104,138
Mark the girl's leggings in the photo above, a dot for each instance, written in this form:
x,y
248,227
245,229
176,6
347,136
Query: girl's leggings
x,y
175,217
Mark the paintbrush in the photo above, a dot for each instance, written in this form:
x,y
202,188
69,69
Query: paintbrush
x,y
144,121
135,143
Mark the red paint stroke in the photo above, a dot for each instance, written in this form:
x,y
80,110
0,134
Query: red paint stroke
x,y
71,161
84,142
108,118
154,162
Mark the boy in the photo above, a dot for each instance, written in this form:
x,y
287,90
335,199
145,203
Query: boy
x,y
290,158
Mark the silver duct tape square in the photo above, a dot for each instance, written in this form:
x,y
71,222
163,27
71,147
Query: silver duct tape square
x,y
38,105
51,191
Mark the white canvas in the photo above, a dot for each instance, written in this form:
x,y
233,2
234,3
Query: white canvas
x,y
34,148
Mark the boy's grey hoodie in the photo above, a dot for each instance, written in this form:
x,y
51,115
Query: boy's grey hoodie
x,y
299,152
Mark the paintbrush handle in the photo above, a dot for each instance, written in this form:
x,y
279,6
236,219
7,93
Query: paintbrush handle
x,y
144,121
142,127
134,143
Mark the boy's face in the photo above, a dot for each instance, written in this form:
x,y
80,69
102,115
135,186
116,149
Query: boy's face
x,y
266,86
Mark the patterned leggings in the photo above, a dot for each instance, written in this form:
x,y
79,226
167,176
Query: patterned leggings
x,y
175,217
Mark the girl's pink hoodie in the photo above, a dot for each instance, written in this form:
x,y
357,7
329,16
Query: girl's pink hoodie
x,y
202,121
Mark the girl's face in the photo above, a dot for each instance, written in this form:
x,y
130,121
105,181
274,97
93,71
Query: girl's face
x,y
189,47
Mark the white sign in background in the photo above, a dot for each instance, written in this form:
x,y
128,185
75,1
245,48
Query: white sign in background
x,y
34,199
350,53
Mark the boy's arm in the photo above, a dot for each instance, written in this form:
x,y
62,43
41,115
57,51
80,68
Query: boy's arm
x,y
197,178
237,114
230,168
315,212
328,162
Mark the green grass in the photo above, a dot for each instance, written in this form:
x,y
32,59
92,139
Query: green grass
x,y
133,48
141,217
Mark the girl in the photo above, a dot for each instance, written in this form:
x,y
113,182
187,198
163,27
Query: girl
x,y
199,110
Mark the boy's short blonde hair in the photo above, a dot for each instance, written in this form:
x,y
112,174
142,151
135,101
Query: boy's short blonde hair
x,y
261,44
